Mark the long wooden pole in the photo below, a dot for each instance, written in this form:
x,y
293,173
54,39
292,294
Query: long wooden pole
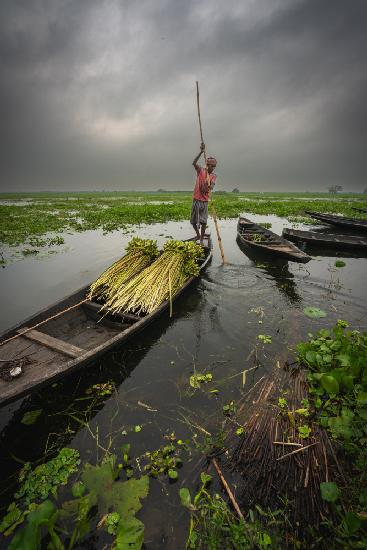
x,y
208,179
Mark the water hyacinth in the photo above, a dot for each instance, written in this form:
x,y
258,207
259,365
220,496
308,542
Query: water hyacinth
x,y
139,254
157,282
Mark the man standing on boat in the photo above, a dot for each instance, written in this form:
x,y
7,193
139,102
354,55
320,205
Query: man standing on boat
x,y
205,181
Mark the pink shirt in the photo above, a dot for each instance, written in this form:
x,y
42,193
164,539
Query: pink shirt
x,y
201,191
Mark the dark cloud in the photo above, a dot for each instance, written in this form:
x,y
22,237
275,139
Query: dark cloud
x,y
100,94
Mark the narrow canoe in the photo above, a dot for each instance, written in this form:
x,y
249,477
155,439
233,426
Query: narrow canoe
x,y
352,223
262,240
71,341
326,239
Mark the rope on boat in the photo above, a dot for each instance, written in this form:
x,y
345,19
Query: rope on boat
x,y
43,322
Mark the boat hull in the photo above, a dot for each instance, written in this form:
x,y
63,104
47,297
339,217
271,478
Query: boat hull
x,y
271,245
71,341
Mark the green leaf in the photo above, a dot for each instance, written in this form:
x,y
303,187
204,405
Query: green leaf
x,y
329,491
329,383
314,312
121,496
344,359
339,263
351,523
137,429
172,474
304,431
78,489
185,497
362,398
240,431
130,534
30,417
205,478
29,538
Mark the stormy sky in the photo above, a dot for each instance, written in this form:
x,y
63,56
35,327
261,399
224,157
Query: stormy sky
x,y
101,94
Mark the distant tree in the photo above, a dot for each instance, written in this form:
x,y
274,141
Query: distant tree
x,y
161,190
335,189
365,191
235,190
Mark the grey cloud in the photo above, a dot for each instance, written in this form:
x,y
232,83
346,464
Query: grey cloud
x,y
100,94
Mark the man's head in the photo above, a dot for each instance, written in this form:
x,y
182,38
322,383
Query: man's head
x,y
211,164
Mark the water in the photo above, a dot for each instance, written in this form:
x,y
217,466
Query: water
x,y
214,329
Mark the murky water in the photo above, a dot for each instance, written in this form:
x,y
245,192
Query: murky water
x,y
214,329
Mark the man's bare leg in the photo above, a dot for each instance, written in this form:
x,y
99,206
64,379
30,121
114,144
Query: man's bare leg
x,y
197,232
203,227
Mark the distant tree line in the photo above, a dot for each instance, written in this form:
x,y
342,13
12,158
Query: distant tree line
x,y
335,189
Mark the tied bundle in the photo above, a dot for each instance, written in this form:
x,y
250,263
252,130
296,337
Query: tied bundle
x,y
139,254
160,281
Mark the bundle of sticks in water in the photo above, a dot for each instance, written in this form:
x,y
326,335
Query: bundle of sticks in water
x,y
275,464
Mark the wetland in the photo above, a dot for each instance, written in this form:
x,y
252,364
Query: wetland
x,y
143,422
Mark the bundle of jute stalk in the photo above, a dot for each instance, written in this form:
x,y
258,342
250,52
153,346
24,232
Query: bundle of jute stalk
x,y
160,281
139,254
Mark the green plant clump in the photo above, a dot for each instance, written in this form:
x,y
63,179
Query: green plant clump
x,y
337,378
213,526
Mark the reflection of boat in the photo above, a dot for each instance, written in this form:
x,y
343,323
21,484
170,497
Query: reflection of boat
x,y
331,240
352,223
277,269
264,240
72,340
364,210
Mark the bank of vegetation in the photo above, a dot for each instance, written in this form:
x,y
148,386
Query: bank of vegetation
x,y
36,220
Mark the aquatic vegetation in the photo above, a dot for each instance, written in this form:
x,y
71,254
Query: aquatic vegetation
x,y
164,460
340,263
98,489
337,378
214,526
197,379
101,390
264,338
57,212
37,485
46,478
314,312
30,417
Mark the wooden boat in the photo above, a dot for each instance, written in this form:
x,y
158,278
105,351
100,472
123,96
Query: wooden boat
x,y
330,240
352,223
262,240
364,210
72,340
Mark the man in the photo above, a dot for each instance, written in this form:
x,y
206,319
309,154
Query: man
x,y
205,181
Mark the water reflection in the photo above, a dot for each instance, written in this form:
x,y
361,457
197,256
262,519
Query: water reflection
x,y
277,269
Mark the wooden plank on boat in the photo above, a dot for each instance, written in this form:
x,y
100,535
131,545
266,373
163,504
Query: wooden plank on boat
x,y
53,343
97,309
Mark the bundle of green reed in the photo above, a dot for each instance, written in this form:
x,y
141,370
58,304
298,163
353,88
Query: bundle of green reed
x,y
158,282
139,254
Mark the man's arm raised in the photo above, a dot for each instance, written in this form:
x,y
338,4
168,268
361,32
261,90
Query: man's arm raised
x,y
195,161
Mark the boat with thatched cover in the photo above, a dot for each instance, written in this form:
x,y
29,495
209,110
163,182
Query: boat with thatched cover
x,y
265,241
342,221
69,335
330,240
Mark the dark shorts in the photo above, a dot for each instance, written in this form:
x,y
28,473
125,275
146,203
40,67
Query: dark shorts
x,y
199,213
